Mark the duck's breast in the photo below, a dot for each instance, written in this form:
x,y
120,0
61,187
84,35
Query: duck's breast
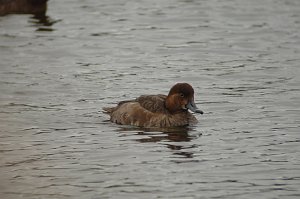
x,y
174,120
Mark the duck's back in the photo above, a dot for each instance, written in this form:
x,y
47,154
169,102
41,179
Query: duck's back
x,y
153,103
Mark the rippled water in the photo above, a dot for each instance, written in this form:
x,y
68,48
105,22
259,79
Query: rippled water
x,y
57,72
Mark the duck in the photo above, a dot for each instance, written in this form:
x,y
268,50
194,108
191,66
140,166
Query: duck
x,y
23,7
159,110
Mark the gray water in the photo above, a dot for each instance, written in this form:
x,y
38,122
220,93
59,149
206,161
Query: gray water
x,y
242,58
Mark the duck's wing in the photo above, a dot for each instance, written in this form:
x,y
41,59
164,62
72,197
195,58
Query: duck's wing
x,y
153,103
110,110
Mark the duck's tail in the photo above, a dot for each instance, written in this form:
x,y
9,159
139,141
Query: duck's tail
x,y
108,110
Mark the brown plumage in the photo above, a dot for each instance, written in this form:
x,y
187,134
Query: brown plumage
x,y
157,110
23,7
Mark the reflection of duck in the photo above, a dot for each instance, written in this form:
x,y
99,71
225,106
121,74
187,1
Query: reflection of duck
x,y
165,136
173,134
22,6
170,136
157,110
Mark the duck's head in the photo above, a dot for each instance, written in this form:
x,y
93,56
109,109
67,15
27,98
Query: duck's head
x,y
181,98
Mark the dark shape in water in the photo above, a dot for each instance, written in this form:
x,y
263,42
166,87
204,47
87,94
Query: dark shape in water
x,y
23,7
43,22
173,134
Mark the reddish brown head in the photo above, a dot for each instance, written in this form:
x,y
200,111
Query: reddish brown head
x,y
181,98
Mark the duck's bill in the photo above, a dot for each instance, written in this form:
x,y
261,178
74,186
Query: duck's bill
x,y
192,106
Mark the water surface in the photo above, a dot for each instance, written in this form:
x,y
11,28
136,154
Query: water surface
x,y
59,70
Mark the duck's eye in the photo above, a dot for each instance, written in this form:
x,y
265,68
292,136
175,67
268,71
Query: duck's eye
x,y
181,95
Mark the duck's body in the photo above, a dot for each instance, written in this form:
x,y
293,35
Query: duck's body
x,y
157,110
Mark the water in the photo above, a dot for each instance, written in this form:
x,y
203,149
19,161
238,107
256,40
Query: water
x,y
58,71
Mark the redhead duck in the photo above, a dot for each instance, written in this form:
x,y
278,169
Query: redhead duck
x,y
157,110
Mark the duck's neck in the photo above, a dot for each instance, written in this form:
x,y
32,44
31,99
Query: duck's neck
x,y
172,106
